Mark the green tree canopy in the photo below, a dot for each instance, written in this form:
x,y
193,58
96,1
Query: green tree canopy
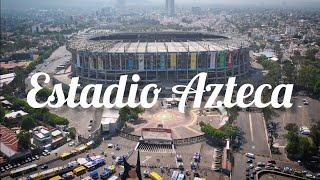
x,y
299,146
315,133
128,113
72,133
24,140
28,122
2,113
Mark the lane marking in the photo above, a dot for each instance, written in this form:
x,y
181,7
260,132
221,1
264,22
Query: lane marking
x,y
147,158
250,124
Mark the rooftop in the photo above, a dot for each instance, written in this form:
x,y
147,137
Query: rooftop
x,y
9,141
15,114
155,42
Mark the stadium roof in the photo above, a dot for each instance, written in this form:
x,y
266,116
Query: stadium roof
x,y
155,42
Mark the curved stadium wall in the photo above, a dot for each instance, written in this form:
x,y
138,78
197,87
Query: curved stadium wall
x,y
163,59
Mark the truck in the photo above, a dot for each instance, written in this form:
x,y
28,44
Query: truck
x,y
94,174
105,174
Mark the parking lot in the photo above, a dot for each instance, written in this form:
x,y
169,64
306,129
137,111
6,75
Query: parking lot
x,y
300,114
79,118
256,134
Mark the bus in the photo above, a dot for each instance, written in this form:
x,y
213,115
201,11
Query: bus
x,y
82,148
79,170
94,164
155,176
56,178
65,155
23,170
47,173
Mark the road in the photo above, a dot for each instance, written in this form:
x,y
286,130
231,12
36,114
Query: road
x,y
253,125
58,57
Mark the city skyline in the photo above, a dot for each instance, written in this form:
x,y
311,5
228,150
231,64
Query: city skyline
x,y
18,4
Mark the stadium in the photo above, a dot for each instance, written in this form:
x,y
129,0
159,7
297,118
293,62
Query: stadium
x,y
165,58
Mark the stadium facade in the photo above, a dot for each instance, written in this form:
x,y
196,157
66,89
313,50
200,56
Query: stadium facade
x,y
164,58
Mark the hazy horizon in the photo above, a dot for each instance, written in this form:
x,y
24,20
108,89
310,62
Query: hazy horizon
x,y
19,4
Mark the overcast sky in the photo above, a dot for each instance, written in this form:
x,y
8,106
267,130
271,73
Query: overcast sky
x,y
92,3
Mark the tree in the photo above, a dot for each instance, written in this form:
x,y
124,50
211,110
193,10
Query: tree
x,y
315,133
2,113
43,94
128,113
299,147
219,136
311,52
72,133
28,123
292,127
24,140
233,113
3,71
306,147
289,72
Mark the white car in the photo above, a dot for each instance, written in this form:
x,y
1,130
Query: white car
x,y
110,145
71,143
310,176
305,130
250,155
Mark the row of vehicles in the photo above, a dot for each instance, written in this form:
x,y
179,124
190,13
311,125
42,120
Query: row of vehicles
x,y
176,175
69,171
108,171
77,150
17,164
271,165
45,174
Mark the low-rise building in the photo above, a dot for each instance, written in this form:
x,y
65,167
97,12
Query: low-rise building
x,y
41,136
11,65
6,79
49,139
8,142
15,114
110,121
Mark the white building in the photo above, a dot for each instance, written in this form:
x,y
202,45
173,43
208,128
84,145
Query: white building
x,y
15,114
110,120
6,79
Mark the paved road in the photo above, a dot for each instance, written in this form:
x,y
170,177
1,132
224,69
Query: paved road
x,y
58,57
253,125
78,118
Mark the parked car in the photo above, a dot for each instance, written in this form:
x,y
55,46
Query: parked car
x,y
250,155
45,166
272,161
117,147
110,145
261,164
249,160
